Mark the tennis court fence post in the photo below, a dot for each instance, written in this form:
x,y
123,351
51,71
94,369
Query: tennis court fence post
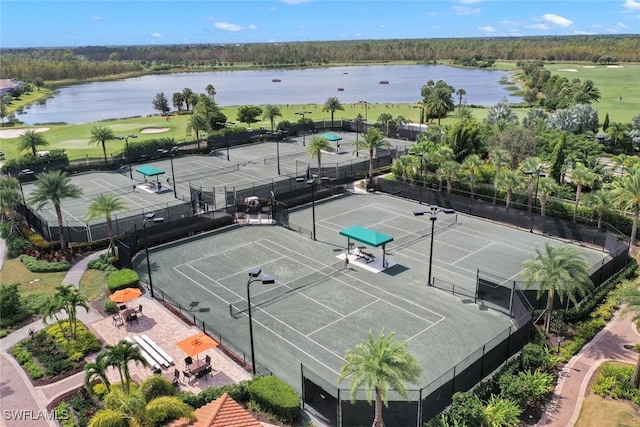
x,y
475,297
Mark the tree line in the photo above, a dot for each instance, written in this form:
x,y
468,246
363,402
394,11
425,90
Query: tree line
x,y
95,61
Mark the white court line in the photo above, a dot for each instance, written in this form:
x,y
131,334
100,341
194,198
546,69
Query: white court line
x,y
342,318
133,195
368,284
473,253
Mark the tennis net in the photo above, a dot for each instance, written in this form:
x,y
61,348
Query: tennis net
x,y
283,290
444,222
205,173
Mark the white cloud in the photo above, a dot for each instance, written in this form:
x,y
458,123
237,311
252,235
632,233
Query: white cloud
x,y
622,25
97,18
294,2
470,1
156,35
554,20
252,27
632,5
537,27
465,10
226,26
487,29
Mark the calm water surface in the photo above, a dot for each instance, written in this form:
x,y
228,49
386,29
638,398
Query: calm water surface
x,y
93,102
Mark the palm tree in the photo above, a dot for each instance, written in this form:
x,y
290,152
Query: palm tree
x,y
448,171
378,364
439,102
270,112
197,123
626,195
498,157
50,309
315,148
547,187
102,135
10,196
561,270
581,176
211,91
385,118
31,139
70,298
54,186
187,95
601,201
104,205
332,104
97,370
131,409
472,163
629,294
509,180
371,140
119,356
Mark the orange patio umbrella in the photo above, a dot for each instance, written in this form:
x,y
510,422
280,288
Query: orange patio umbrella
x,y
126,294
197,343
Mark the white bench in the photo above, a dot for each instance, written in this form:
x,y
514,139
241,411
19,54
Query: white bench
x,y
157,348
154,354
146,356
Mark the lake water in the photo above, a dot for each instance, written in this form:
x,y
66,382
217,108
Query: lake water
x,y
93,102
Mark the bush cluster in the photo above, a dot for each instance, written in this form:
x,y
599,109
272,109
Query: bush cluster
x,y
615,382
121,279
101,264
276,397
37,266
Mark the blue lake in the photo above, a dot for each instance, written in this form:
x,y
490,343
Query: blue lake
x,y
92,102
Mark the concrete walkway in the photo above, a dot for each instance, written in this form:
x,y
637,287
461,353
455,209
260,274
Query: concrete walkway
x,y
608,344
26,404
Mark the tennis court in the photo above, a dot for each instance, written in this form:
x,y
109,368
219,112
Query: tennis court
x,y
317,308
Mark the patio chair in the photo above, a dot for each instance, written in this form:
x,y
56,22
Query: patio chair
x,y
117,321
188,360
208,359
139,310
132,318
187,376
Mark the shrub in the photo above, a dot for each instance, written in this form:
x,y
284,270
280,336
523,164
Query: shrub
x,y
466,409
21,354
615,382
33,370
101,264
109,306
527,387
533,357
38,266
587,330
277,397
122,279
156,386
16,245
100,390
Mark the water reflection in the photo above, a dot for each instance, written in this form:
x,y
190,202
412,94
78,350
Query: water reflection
x,y
93,102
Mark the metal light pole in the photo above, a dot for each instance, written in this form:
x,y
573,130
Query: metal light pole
x,y
254,274
278,153
312,182
434,210
126,148
358,120
304,126
366,107
171,154
24,172
151,216
226,133
538,174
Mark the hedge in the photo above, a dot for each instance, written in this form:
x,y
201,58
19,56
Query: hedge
x,y
39,266
125,278
276,397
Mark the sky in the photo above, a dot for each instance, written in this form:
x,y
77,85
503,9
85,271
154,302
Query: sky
x,y
32,23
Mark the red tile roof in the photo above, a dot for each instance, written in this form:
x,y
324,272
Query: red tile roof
x,y
222,412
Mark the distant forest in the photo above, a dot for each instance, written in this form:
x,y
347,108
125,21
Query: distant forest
x,y
80,63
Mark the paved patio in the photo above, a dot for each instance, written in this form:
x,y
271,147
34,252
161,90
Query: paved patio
x,y
166,329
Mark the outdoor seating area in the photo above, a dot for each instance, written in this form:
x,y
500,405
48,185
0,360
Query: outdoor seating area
x,y
161,331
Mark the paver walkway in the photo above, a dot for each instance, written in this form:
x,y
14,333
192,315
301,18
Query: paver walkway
x,y
608,344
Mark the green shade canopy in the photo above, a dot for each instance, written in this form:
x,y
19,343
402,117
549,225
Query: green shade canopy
x,y
331,137
366,236
147,170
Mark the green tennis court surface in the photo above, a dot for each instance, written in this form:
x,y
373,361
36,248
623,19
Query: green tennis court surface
x,y
317,309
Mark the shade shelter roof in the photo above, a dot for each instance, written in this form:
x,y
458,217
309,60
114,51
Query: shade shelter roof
x,y
197,343
366,235
147,170
124,295
331,137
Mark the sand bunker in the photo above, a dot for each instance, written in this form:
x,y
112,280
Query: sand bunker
x,y
155,130
615,66
14,133
571,70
